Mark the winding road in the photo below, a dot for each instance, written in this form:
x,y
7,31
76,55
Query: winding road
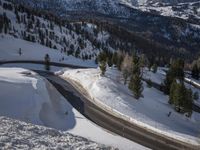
x,y
80,100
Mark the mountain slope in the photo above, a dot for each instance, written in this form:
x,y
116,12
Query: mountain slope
x,y
180,8
113,26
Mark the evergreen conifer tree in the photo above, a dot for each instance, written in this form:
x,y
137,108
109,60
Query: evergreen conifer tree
x,y
47,62
102,58
195,71
181,97
135,84
175,72
102,66
172,92
154,68
187,103
114,58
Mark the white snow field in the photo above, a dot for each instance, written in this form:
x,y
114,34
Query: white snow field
x,y
20,135
157,77
28,97
149,112
10,46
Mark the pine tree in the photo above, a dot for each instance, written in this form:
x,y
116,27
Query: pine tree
x,y
154,68
109,61
77,53
178,96
175,72
119,61
195,71
114,58
96,60
187,103
167,82
1,24
135,84
172,92
102,56
17,16
47,62
102,62
181,97
102,66
20,51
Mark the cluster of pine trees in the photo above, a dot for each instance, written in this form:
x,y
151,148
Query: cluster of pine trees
x,y
110,59
130,66
179,95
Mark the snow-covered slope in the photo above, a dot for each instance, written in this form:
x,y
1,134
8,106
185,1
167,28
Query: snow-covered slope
x,y
160,76
66,38
32,99
150,112
10,46
28,97
162,36
19,135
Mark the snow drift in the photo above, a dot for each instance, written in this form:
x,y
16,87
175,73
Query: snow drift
x,y
27,96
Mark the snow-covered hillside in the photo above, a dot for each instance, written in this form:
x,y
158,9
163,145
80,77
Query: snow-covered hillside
x,y
160,76
32,100
33,51
28,97
19,135
78,39
150,112
85,40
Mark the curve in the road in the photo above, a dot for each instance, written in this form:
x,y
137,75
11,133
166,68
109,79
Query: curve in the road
x,y
80,101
